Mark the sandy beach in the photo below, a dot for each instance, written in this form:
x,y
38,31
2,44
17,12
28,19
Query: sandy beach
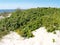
x,y
42,37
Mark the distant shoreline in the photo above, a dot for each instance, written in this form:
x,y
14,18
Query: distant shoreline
x,y
6,10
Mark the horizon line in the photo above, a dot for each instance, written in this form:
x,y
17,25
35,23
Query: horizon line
x,y
30,7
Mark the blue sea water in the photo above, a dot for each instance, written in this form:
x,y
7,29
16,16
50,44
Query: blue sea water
x,y
7,10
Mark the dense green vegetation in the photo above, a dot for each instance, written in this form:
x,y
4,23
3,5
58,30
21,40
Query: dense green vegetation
x,y
26,21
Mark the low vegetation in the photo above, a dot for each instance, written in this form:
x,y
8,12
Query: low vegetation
x,y
25,21
53,40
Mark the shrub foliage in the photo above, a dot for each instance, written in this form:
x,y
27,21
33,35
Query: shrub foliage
x,y
26,21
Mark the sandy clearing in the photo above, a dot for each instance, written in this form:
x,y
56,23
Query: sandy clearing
x,y
1,17
41,38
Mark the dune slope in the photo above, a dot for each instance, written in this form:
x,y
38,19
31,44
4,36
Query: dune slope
x,y
42,37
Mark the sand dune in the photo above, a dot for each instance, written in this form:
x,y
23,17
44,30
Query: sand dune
x,y
41,38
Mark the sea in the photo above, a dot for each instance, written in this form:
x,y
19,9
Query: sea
x,y
7,10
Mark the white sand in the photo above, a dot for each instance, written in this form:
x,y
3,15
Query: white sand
x,y
41,38
9,15
1,17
